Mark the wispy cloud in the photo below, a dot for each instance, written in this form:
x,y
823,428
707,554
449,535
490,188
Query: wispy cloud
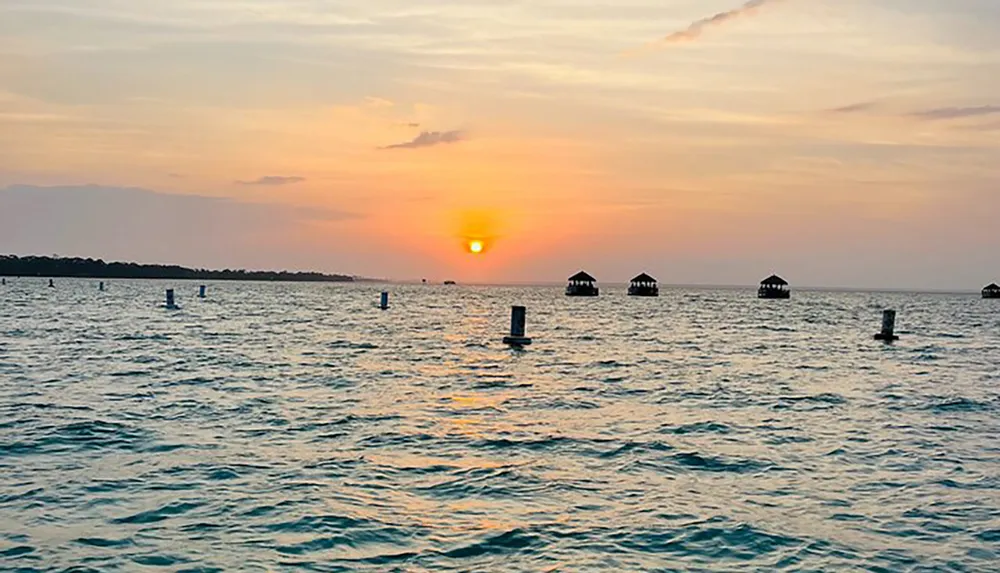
x,y
988,126
855,107
957,112
378,102
274,180
698,27
428,139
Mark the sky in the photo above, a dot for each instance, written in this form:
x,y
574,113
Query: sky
x,y
835,142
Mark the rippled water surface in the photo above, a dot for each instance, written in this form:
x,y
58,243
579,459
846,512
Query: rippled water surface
x,y
291,427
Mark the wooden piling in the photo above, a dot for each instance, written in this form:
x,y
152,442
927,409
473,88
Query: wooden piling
x,y
888,333
518,321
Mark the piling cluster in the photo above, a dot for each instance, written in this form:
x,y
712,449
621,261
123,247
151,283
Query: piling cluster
x,y
583,284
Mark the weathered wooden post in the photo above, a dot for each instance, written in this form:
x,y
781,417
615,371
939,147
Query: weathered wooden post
x,y
888,333
201,291
384,302
171,305
518,320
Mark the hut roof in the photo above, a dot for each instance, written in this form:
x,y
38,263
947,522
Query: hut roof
x,y
582,277
644,278
993,286
774,280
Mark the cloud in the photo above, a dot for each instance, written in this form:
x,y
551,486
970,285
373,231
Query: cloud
x,y
957,112
428,139
855,107
273,180
989,126
697,28
378,102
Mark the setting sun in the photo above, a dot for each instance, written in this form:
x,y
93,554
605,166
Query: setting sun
x,y
475,247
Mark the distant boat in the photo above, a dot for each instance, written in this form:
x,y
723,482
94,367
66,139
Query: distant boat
x,y
774,287
582,284
643,285
992,291
450,282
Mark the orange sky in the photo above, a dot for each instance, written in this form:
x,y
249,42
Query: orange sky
x,y
840,142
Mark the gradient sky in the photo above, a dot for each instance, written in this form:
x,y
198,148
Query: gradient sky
x,y
837,142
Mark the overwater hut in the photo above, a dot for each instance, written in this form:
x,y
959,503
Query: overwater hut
x,y
643,285
582,284
992,291
774,287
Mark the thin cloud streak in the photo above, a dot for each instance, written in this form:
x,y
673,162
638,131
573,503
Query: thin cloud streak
x,y
697,28
273,180
855,107
957,112
429,139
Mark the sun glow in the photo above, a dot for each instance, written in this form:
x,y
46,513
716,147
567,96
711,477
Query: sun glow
x,y
476,247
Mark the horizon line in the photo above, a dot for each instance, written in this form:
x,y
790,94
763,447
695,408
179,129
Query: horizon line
x,y
807,288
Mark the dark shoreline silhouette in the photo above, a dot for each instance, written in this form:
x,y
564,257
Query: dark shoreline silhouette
x,y
58,267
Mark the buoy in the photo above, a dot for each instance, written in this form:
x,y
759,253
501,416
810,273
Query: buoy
x,y
518,319
384,302
201,291
170,299
888,333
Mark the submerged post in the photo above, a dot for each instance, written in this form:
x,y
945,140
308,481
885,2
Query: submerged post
x,y
3,282
201,291
52,283
100,286
518,319
888,333
170,299
384,302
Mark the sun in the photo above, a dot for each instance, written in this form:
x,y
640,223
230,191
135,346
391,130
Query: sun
x,y
476,247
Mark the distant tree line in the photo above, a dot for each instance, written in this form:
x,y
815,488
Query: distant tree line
x,y
14,266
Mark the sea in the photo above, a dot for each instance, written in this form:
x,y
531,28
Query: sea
x,y
297,427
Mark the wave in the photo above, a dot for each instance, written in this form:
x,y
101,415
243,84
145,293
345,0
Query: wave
x,y
700,462
697,428
347,344
84,435
510,541
104,542
504,483
824,401
162,513
17,551
959,404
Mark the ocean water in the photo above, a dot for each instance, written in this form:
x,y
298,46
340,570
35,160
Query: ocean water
x,y
296,427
